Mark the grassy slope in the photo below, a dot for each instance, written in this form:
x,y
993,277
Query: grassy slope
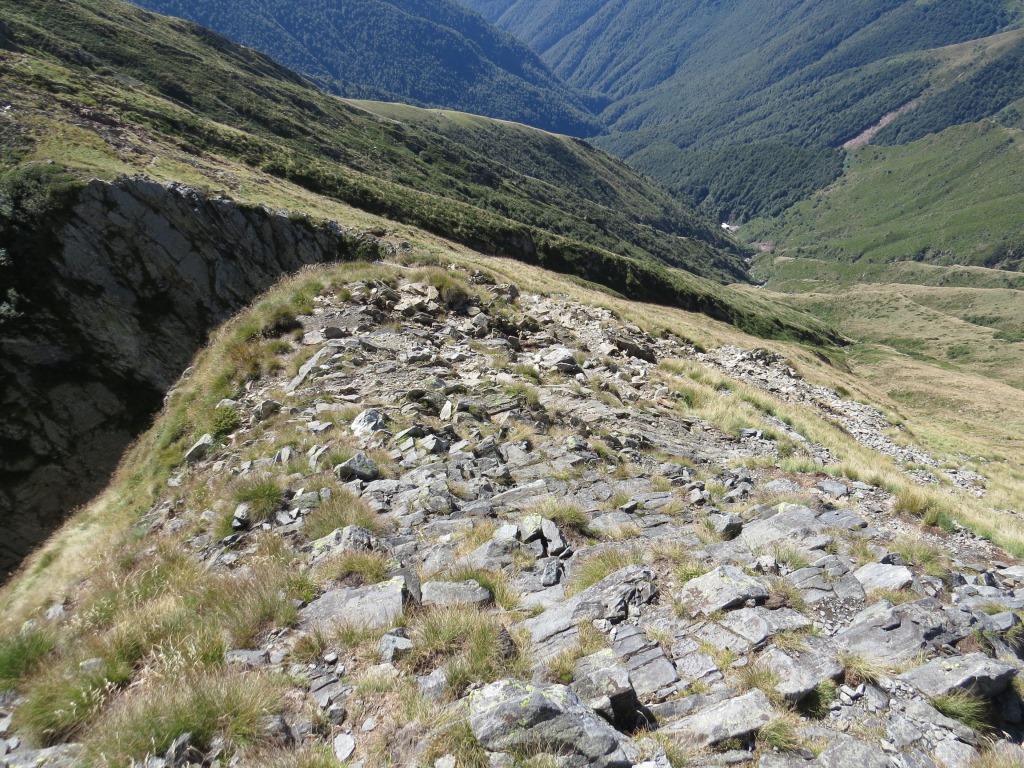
x,y
950,198
104,71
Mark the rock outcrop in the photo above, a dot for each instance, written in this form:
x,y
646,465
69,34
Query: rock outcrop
x,y
143,273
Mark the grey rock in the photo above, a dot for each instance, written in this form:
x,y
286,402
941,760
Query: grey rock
x,y
727,525
552,573
360,467
510,715
730,719
759,624
367,422
845,752
610,599
725,587
373,606
951,753
975,672
344,746
266,409
602,681
875,576
394,645
200,449
801,672
61,756
786,522
833,488
444,593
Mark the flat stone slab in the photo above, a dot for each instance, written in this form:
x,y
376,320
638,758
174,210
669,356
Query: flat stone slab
x,y
976,673
723,588
377,605
454,593
791,523
509,715
731,719
874,576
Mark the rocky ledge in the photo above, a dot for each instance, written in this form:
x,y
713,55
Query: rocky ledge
x,y
657,592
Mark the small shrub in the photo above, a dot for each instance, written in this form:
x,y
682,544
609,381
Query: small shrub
x,y
225,420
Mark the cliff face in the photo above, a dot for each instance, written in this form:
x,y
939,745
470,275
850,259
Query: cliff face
x,y
142,273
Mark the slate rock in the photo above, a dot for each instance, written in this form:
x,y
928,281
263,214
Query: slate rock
x,y
602,681
725,587
874,576
447,593
200,449
508,716
800,672
759,624
730,719
367,422
372,606
977,673
359,467
610,599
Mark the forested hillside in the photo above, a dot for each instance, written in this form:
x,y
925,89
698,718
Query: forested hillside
x,y
742,105
427,52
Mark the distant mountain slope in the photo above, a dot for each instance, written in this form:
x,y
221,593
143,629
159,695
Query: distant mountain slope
x,y
429,52
690,82
950,198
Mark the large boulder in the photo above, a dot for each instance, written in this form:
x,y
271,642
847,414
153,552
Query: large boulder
x,y
602,681
509,715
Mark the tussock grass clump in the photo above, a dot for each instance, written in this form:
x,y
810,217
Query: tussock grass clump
x,y
605,563
354,568
473,644
206,703
22,652
894,596
783,593
815,704
782,734
568,517
341,510
970,710
930,559
459,741
527,371
859,669
759,675
262,494
789,555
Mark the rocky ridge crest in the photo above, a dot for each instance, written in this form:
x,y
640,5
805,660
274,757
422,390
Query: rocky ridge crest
x,y
522,471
